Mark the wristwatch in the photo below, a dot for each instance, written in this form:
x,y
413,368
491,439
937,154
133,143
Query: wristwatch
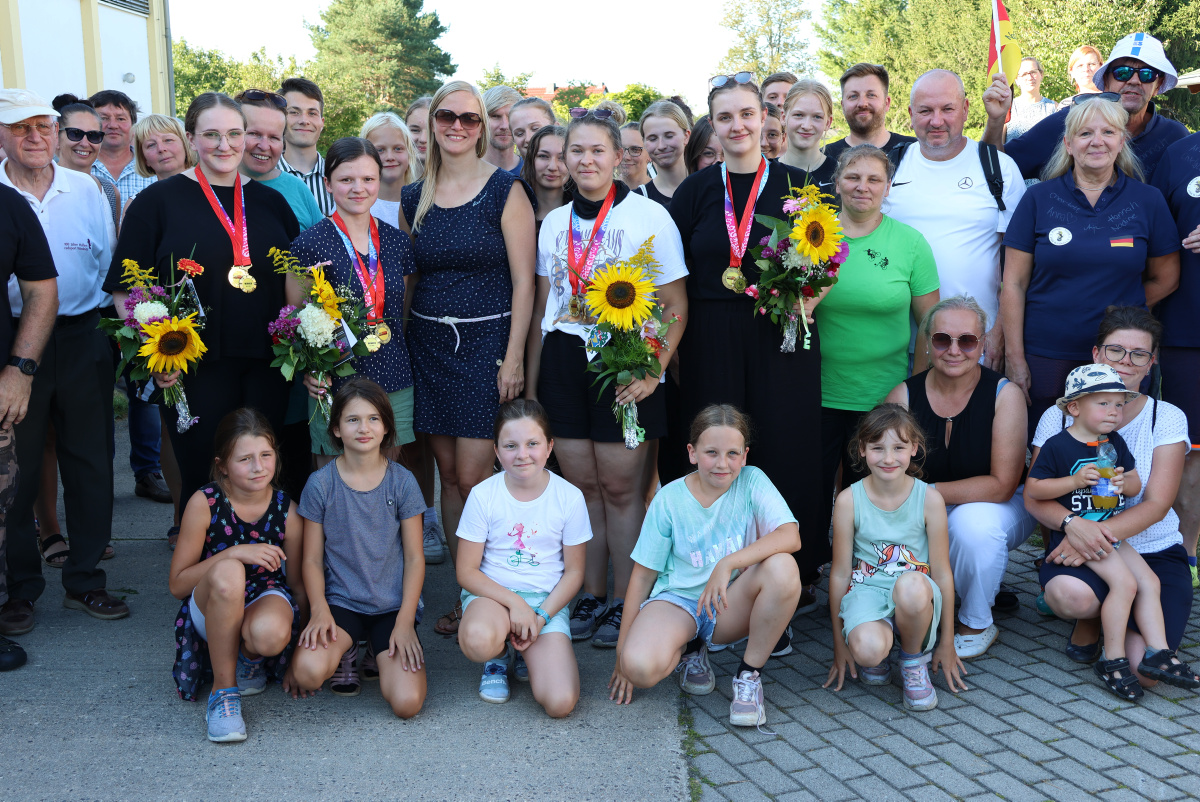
x,y
542,613
1063,526
26,365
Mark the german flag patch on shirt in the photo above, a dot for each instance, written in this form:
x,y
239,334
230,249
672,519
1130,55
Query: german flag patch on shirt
x,y
1121,242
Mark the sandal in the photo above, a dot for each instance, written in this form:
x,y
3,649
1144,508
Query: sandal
x,y
172,537
1125,685
451,619
1166,666
56,559
108,552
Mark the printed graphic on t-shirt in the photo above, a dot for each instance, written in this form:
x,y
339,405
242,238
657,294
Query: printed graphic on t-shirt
x,y
608,252
891,559
1083,501
713,548
523,556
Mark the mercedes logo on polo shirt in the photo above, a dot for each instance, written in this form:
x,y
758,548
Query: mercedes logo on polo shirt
x,y
966,183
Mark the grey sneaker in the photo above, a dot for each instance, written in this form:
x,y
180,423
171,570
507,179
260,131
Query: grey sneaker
x,y
251,676
493,687
435,552
610,626
919,693
748,708
695,673
521,668
876,675
224,716
586,617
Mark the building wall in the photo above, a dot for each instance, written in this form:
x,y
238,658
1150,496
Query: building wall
x,y
52,42
125,51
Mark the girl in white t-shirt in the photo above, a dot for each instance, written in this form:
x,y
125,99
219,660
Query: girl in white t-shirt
x,y
520,562
604,224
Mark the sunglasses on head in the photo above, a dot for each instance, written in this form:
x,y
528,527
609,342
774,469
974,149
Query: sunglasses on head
x,y
76,134
966,342
469,120
259,95
717,81
1146,75
578,113
1088,98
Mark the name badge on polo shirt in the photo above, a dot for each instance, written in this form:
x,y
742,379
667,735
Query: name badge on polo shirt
x,y
1194,187
1060,236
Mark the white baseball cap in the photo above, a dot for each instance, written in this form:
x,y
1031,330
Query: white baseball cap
x,y
1143,47
21,104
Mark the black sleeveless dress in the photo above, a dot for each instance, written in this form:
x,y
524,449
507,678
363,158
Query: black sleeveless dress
x,y
969,452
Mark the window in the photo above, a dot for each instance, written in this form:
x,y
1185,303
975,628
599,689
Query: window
x,y
136,6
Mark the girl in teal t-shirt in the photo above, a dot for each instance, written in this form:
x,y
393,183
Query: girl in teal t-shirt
x,y
891,565
713,562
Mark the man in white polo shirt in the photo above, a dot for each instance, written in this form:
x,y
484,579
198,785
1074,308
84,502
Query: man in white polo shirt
x,y
940,189
73,384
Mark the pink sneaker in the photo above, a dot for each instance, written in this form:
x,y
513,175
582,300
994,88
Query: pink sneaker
x,y
748,708
919,693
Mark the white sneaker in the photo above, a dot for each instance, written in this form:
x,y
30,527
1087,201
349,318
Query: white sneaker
x,y
435,553
748,708
968,646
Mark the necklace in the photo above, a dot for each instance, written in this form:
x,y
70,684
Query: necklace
x,y
1105,185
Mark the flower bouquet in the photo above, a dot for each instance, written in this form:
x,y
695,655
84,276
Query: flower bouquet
x,y
320,337
800,257
630,333
160,330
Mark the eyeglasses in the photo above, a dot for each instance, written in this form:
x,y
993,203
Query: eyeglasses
x,y
1146,75
1028,73
259,95
469,120
1090,96
579,112
213,138
76,134
1115,353
717,81
966,342
22,129
635,151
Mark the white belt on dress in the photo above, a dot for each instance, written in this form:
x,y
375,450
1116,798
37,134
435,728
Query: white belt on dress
x,y
453,322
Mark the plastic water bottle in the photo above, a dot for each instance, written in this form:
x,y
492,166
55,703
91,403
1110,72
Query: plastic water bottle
x,y
1104,494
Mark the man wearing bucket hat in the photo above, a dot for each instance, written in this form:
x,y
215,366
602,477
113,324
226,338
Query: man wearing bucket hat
x,y
72,384
1137,69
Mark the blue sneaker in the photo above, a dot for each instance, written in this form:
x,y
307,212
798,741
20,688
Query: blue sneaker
x,y
520,669
493,687
251,676
876,675
224,716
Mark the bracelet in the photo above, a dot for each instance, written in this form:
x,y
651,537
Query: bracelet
x,y
542,613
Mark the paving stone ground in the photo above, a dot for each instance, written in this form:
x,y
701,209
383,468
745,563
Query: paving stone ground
x,y
1032,726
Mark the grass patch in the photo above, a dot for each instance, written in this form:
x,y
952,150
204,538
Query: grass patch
x,y
120,405
691,748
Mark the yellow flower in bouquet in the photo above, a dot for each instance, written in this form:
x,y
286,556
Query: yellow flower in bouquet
x,y
621,295
325,295
817,234
172,344
135,276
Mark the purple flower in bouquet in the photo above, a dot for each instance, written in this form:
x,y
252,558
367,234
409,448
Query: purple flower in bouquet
x,y
159,291
843,252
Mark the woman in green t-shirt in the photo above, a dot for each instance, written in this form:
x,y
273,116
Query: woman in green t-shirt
x,y
865,318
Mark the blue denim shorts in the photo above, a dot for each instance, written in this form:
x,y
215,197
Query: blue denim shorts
x,y
705,623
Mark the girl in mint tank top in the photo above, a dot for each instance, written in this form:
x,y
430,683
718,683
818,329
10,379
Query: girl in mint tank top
x,y
891,565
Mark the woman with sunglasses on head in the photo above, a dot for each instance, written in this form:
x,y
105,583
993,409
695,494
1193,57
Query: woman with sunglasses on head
x,y
546,170
732,355
665,130
228,225
974,424
605,223
416,117
703,147
1062,270
472,229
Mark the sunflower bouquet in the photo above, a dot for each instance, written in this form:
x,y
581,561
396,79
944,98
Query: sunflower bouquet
x,y
323,335
160,330
630,332
800,257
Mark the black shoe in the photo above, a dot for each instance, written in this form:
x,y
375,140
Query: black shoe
x,y
154,487
11,655
807,602
1006,601
784,646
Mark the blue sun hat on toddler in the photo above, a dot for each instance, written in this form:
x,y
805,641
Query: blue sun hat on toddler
x,y
1088,379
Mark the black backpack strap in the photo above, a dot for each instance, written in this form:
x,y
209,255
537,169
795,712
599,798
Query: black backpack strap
x,y
896,154
989,158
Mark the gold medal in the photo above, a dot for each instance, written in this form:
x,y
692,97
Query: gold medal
x,y
575,306
733,279
249,284
236,276
372,342
383,333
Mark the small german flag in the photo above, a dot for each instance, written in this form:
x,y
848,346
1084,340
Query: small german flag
x,y
1123,242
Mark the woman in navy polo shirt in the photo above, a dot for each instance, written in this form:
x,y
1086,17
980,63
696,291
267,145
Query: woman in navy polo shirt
x,y
1178,176
1090,235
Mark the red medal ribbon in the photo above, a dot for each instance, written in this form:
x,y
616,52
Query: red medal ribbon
x,y
369,275
739,232
579,274
236,229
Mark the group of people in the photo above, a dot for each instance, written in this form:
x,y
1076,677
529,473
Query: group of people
x,y
1028,289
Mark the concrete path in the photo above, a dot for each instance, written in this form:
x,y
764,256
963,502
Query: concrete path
x,y
94,715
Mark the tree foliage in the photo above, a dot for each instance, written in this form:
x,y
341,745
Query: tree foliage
x,y
766,37
910,37
635,98
496,77
374,55
198,70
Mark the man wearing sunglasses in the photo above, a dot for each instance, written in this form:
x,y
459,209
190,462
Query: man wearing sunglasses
x,y
1136,71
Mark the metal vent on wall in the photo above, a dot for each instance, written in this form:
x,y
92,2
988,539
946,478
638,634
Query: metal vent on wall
x,y
136,6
